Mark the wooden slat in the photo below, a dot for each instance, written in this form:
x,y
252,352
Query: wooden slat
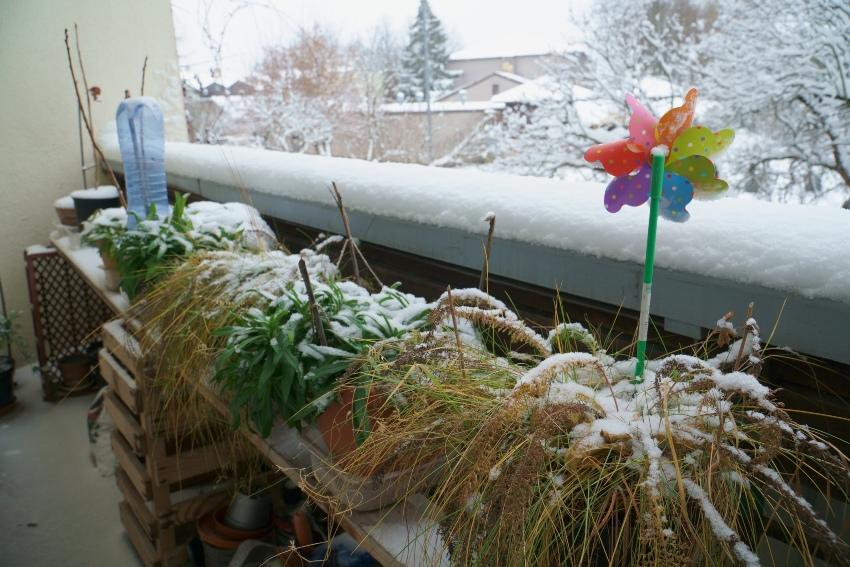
x,y
120,381
190,463
376,532
140,509
144,547
123,346
192,509
131,465
125,422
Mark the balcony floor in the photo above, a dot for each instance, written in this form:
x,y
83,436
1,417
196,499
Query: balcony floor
x,y
56,508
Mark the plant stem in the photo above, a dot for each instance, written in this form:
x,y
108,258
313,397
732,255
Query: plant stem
x,y
457,333
88,105
744,337
144,70
314,309
95,145
347,227
485,270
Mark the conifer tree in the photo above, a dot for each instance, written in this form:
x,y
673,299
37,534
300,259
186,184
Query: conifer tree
x,y
412,82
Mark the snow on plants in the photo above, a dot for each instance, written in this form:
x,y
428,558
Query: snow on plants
x,y
144,251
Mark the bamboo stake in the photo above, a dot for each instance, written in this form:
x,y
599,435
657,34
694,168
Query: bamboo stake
x,y
314,309
87,124
485,270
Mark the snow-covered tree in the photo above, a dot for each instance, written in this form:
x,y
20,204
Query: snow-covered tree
x,y
377,63
304,94
416,62
646,47
777,72
780,71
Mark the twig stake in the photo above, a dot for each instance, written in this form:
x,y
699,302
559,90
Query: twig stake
x,y
485,270
314,309
350,244
457,333
144,70
88,106
88,125
744,337
347,227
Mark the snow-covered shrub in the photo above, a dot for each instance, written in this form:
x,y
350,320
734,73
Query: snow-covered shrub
x,y
576,464
153,244
274,365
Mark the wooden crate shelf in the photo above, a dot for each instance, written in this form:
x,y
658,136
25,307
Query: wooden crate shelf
x,y
166,481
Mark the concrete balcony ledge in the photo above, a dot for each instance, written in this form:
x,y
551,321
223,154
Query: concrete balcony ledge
x,y
791,260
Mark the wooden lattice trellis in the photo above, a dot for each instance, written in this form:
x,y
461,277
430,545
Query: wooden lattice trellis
x,y
66,314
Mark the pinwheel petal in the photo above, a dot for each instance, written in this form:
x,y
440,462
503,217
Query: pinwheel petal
x,y
676,120
676,193
641,124
632,190
702,174
617,158
699,140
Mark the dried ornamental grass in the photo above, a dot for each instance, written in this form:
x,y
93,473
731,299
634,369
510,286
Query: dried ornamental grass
x,y
577,465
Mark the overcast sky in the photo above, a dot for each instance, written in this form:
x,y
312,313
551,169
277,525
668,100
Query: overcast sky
x,y
475,26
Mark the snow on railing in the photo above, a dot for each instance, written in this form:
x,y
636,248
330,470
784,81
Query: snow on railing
x,y
793,248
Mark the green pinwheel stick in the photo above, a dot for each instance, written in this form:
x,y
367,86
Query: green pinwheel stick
x,y
674,155
658,156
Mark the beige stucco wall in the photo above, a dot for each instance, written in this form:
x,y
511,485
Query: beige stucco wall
x,y
39,150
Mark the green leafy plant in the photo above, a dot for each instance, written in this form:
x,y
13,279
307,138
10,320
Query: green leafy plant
x,y
9,335
143,253
272,365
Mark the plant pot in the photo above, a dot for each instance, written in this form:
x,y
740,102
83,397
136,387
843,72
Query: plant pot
x,y
336,422
249,513
74,369
87,201
366,494
220,545
284,531
259,554
7,383
66,211
112,278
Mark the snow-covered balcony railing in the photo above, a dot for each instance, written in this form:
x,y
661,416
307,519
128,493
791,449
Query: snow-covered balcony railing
x,y
792,261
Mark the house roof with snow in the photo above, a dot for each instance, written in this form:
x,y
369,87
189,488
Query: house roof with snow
x,y
511,77
445,106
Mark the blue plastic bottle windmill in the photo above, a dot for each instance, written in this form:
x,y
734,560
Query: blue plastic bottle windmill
x,y
142,141
665,161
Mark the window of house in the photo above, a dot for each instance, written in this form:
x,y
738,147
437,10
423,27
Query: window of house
x,y
495,88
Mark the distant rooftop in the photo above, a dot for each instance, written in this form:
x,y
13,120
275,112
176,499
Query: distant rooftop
x,y
502,52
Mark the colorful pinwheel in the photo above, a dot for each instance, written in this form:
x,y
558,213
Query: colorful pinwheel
x,y
689,171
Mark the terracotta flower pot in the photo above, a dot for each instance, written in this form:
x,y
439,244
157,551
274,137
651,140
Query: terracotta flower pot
x,y
74,369
220,541
110,268
336,423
